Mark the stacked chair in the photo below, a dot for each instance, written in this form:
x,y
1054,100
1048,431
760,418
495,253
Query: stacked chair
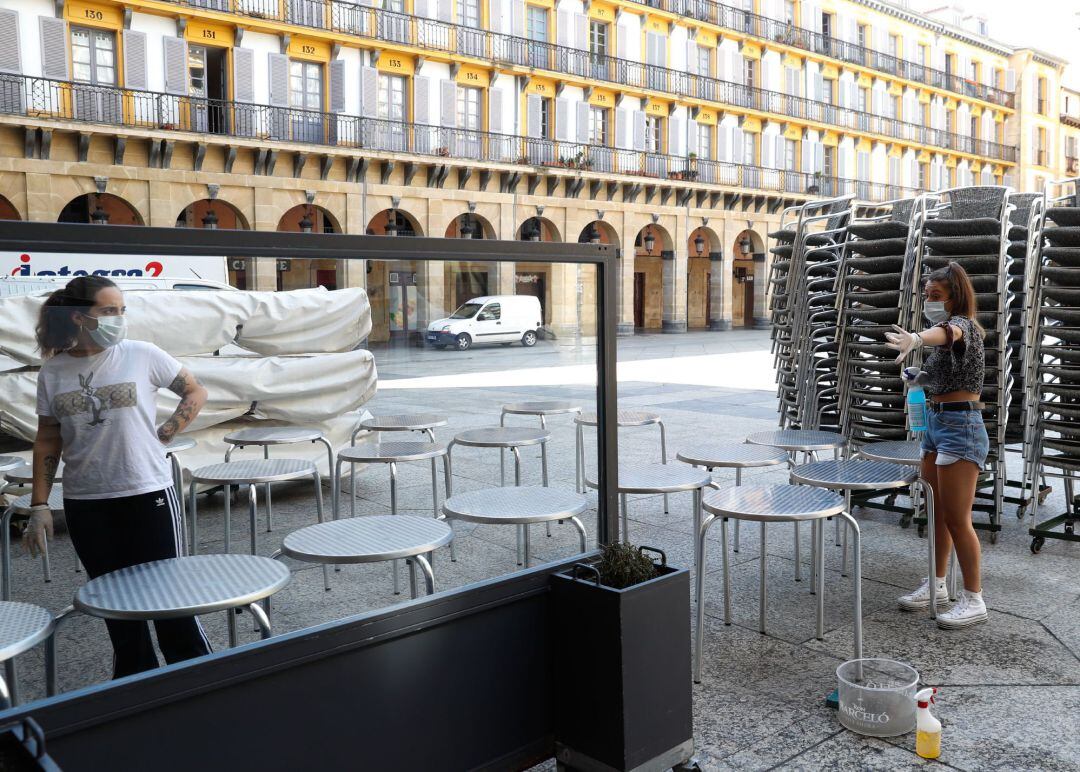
x,y
809,250
1053,364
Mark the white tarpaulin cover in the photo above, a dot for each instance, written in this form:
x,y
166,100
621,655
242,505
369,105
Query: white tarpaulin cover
x,y
185,322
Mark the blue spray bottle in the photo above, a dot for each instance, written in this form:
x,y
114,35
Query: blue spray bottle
x,y
916,408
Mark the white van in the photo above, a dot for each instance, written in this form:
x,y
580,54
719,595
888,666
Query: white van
x,y
492,319
32,285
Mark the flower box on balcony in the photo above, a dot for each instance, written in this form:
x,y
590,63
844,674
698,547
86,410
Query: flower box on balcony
x,y
442,151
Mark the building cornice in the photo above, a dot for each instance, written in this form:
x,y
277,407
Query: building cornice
x,y
940,28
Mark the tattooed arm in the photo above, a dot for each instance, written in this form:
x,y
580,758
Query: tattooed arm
x,y
192,398
47,447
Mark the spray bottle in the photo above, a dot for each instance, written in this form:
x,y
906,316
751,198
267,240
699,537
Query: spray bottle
x,y
916,404
927,728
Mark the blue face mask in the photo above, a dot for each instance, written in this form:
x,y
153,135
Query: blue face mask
x,y
934,311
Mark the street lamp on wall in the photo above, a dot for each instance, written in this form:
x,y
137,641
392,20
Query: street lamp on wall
x,y
649,242
593,234
391,223
465,229
745,246
699,244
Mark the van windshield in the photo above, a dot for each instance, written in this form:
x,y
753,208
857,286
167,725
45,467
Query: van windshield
x,y
467,311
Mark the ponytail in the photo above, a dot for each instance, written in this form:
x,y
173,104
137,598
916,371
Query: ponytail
x,y
56,331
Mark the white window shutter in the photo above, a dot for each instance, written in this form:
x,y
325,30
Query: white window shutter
x,y
422,100
691,57
445,10
737,68
624,128
243,74
448,103
676,136
54,56
639,130
692,137
581,31
767,149
517,18
737,146
10,61
1010,80
564,28
723,150
620,42
495,111
135,75
532,116
781,151
582,123
369,92
819,157
176,68
336,73
841,163
279,79
563,131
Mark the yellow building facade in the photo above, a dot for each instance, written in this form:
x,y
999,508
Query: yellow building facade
x,y
677,130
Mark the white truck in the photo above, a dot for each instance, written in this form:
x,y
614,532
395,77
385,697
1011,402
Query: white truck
x,y
502,319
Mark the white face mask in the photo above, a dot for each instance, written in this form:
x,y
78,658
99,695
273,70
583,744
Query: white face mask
x,y
934,311
110,331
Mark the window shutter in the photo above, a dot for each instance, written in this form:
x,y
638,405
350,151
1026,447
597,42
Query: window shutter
x,y
819,87
495,111
819,157
639,130
54,57
422,100
517,18
369,92
135,75
583,123
876,93
563,132
1035,144
737,146
10,61
243,75
676,136
532,115
781,151
767,150
581,31
621,38
564,28
623,126
723,151
1010,80
736,67
448,103
445,10
336,72
691,57
279,80
176,66
692,138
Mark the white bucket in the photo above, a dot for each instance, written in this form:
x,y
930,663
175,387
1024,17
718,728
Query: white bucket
x,y
877,696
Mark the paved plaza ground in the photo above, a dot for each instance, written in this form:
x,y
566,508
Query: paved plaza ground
x,y
1009,690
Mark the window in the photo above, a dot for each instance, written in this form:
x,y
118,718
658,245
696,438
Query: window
x,y
950,121
469,115
305,85
750,72
827,91
921,55
973,74
864,100
469,13
894,46
93,56
598,126
924,175
789,12
864,35
704,140
598,37
749,148
398,6
492,313
826,24
1041,96
654,134
547,118
392,97
537,26
829,162
197,71
974,127
791,157
704,62
895,111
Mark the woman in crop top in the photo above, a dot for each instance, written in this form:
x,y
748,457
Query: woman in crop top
x,y
955,444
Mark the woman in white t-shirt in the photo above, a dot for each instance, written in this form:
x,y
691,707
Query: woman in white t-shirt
x,y
95,404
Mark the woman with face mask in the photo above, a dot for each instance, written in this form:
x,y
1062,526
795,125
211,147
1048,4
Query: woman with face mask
x,y
955,444
95,405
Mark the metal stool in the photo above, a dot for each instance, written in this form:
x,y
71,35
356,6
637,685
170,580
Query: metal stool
x,y
23,474
409,422
772,504
541,409
179,445
371,539
658,478
809,443
22,627
520,506
277,435
251,474
734,455
391,454
10,462
858,475
506,437
21,506
624,418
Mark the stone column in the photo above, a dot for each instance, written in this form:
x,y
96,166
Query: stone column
x,y
673,321
626,278
717,276
264,269
761,283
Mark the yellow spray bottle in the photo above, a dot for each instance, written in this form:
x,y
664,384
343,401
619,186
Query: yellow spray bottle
x,y
927,728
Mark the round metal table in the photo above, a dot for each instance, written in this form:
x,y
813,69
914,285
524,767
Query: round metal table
x,y
185,586
372,539
21,506
733,455
860,475
771,504
659,478
10,462
521,506
250,473
898,452
22,627
506,437
23,474
391,454
408,422
624,418
541,409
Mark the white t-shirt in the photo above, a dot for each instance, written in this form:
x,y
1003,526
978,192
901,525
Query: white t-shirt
x,y
105,406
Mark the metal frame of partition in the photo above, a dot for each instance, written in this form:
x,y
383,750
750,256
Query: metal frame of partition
x,y
476,661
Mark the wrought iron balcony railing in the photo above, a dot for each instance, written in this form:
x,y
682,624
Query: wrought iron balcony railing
x,y
777,30
352,19
42,98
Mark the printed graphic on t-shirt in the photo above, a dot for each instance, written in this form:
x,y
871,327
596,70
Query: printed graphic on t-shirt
x,y
94,401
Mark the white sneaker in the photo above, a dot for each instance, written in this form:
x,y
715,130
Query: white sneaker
x,y
967,611
920,599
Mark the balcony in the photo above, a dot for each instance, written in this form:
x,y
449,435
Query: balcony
x,y
351,19
45,99
764,28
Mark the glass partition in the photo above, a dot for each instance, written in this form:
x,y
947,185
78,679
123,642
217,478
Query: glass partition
x,y
422,388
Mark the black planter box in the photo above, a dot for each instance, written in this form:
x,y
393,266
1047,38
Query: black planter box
x,y
622,672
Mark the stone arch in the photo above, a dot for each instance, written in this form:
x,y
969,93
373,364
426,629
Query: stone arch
x,y
104,208
480,227
8,210
654,275
704,277
604,232
302,273
404,224
747,286
297,219
528,229
212,213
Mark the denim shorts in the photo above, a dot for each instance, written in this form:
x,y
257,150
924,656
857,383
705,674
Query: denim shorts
x,y
956,435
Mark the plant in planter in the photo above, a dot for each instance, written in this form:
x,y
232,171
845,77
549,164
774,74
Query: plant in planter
x,y
622,662
443,151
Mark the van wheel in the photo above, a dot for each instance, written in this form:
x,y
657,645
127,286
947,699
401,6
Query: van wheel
x,y
528,339
464,342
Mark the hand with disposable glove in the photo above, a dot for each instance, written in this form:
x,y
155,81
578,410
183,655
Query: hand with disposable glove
x,y
38,530
903,341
